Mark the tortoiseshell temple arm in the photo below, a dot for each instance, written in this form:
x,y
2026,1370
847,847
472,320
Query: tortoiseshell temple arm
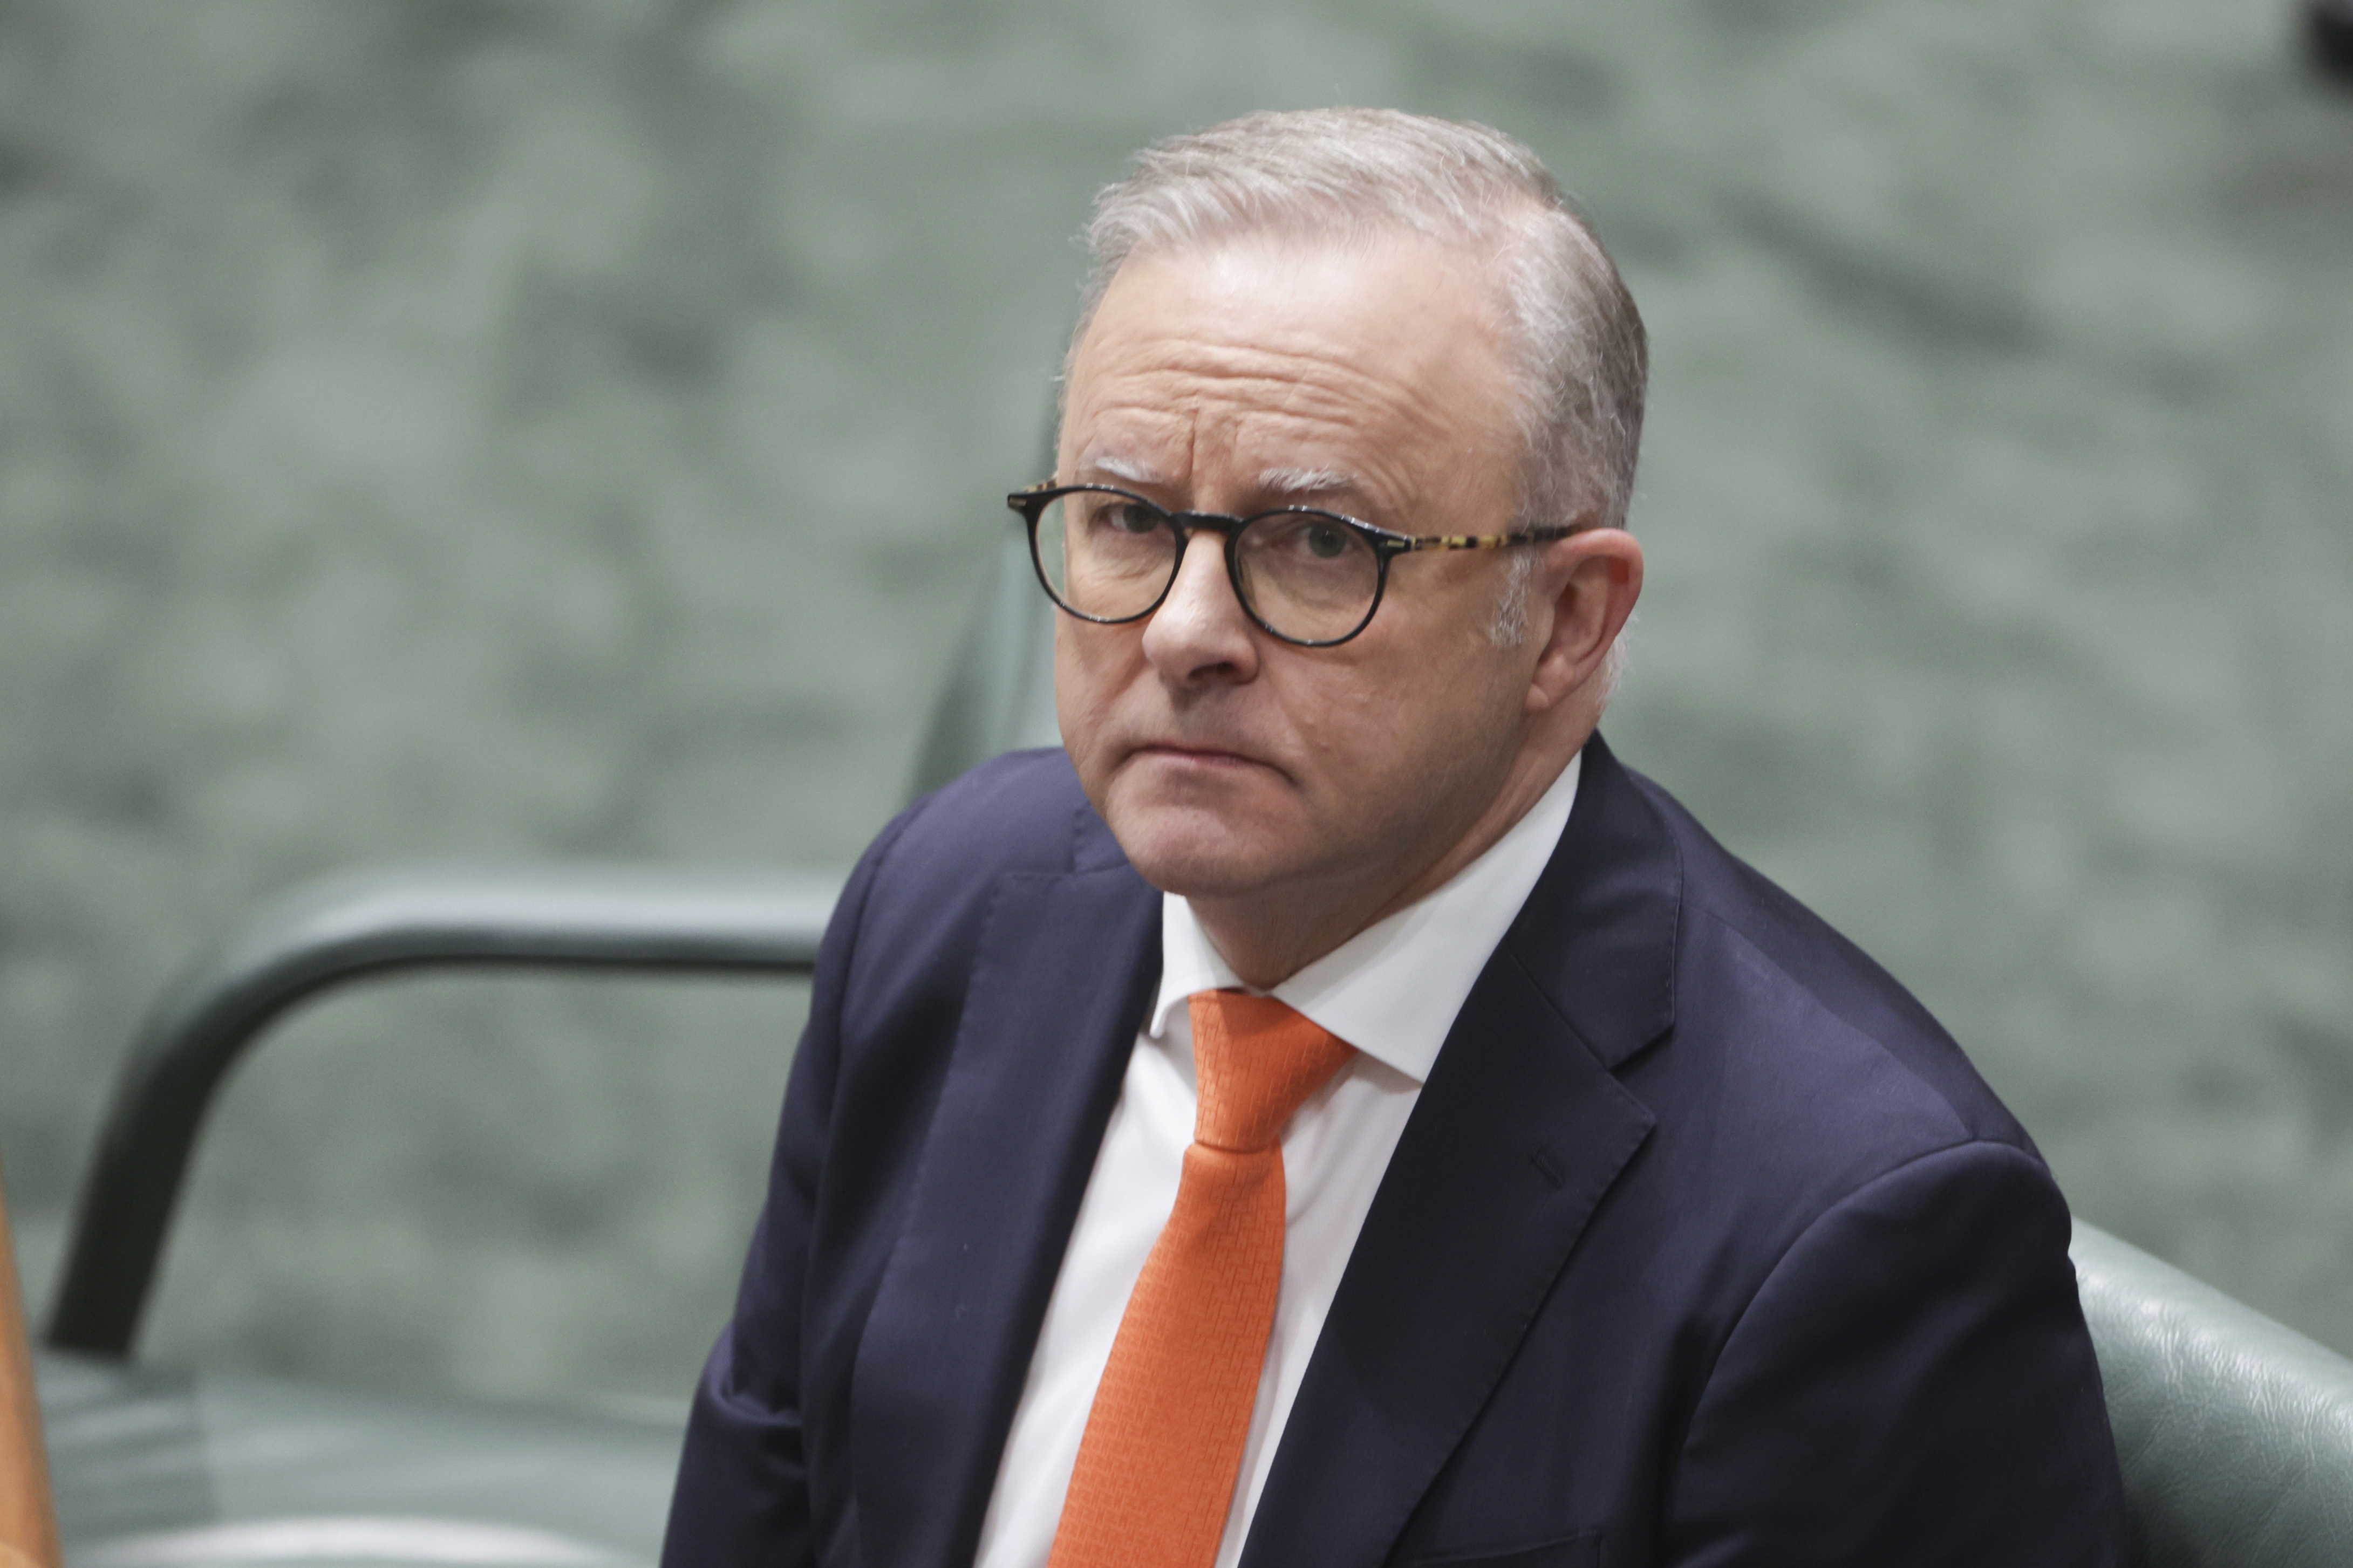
x,y
1483,540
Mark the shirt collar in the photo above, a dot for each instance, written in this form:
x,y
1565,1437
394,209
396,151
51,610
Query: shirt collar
x,y
1393,989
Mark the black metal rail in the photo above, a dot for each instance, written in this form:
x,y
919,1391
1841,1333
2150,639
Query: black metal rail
x,y
410,918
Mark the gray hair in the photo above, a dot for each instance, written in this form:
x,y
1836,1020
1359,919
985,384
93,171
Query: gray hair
x,y
1351,174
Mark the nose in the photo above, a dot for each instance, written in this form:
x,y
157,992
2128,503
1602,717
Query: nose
x,y
1201,630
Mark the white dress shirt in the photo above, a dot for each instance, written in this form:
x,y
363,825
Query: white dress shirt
x,y
1392,992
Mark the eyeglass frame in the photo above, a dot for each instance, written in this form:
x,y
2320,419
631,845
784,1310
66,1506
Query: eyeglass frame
x,y
1387,545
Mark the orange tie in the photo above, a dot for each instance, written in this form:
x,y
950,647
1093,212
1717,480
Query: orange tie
x,y
1164,1439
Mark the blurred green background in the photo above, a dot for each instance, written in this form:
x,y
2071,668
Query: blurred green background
x,y
434,427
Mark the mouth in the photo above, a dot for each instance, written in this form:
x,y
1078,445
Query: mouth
x,y
1170,754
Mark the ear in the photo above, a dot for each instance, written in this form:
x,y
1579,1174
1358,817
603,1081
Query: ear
x,y
1586,585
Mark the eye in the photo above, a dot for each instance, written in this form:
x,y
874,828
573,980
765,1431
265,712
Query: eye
x,y
1325,540
1305,539
1118,515
1129,517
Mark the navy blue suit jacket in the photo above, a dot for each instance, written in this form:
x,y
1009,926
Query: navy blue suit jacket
x,y
1703,1244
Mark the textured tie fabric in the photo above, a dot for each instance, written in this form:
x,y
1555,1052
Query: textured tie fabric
x,y
1164,1439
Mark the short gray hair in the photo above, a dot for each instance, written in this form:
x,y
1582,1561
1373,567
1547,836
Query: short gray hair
x,y
1354,173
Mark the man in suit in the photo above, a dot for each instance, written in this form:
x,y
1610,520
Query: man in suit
x,y
1334,1113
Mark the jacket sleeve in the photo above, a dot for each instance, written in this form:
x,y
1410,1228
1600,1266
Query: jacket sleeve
x,y
1913,1384
742,1496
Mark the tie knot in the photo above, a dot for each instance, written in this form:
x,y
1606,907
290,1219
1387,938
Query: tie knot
x,y
1258,1061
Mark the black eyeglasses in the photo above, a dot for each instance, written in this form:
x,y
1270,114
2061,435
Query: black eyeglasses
x,y
1310,578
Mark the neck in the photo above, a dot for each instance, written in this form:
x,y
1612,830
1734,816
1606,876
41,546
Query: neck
x,y
1271,934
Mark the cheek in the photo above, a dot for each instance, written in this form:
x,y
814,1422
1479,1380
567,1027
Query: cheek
x,y
1394,729
1091,664
1076,696
1353,726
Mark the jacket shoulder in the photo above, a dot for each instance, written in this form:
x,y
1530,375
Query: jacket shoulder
x,y
1744,934
921,895
1023,811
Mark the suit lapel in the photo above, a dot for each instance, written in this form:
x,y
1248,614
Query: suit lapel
x,y
1518,1133
1064,973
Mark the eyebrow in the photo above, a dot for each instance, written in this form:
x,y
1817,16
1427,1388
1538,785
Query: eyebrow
x,y
1284,481
1119,467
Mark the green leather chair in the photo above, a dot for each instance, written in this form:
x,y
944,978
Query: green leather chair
x,y
2236,1434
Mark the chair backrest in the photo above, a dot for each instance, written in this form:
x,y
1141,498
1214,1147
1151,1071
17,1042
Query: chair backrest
x,y
1001,694
2235,1432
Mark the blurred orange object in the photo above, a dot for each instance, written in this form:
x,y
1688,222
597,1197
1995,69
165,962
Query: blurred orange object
x,y
28,1524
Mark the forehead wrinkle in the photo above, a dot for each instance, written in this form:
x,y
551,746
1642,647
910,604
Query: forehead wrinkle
x,y
1280,454
1191,371
1320,408
1312,446
1265,378
1273,403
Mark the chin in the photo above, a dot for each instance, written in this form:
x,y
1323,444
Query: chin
x,y
1202,836
1195,854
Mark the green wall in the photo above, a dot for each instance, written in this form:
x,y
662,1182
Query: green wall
x,y
574,430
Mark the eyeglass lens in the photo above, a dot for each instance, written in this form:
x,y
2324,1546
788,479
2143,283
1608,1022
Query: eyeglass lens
x,y
1307,575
